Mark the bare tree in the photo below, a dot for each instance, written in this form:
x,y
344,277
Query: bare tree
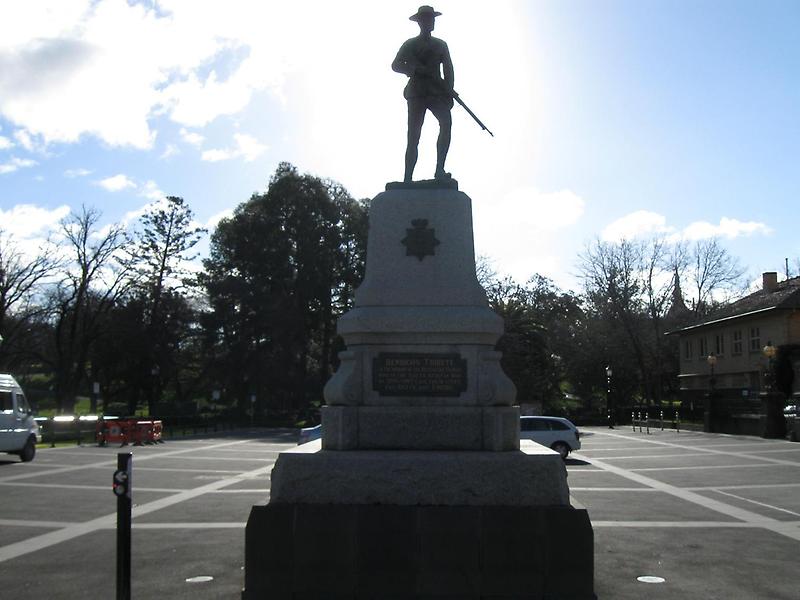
x,y
714,274
97,275
616,283
485,271
22,278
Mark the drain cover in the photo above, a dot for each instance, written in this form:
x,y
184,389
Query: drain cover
x,y
650,579
199,579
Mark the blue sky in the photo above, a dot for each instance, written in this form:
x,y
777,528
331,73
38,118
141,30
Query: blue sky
x,y
612,118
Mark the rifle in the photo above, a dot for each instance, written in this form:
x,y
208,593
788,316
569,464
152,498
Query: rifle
x,y
458,99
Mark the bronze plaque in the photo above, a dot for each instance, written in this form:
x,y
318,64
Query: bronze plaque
x,y
412,374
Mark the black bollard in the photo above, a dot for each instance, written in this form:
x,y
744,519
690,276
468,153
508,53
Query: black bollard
x,y
122,490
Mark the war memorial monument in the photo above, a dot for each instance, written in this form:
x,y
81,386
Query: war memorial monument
x,y
419,487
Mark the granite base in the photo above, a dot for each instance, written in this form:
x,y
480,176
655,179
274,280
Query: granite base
x,y
531,476
361,552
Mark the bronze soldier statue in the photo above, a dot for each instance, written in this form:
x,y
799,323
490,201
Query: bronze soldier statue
x,y
424,59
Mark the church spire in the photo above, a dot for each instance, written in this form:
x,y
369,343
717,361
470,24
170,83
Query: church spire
x,y
678,309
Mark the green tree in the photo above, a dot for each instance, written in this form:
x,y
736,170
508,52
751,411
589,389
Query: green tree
x,y
541,324
163,243
280,271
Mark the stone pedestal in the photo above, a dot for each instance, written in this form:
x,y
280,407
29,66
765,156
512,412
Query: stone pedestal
x,y
419,487
420,370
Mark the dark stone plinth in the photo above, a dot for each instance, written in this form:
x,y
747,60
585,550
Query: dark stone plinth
x,y
360,552
424,184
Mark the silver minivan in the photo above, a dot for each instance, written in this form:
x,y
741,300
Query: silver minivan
x,y
554,432
19,432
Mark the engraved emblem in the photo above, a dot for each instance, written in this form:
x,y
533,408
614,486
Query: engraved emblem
x,y
420,241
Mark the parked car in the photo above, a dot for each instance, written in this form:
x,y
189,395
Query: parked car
x,y
19,432
554,432
309,434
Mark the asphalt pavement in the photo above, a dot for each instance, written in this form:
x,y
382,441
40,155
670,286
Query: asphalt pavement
x,y
700,515
697,515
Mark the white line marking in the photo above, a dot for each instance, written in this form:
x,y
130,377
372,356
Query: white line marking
x,y
751,486
709,503
776,461
112,462
229,458
220,525
750,442
29,523
52,538
208,458
63,486
791,512
267,450
676,524
610,489
587,448
637,456
583,470
184,470
776,451
242,491
697,467
42,464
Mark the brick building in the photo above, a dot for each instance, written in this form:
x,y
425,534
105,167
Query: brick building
x,y
735,336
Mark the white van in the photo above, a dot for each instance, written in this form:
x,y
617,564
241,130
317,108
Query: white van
x,y
19,432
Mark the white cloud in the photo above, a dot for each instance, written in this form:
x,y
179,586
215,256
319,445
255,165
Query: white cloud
x,y
636,224
106,67
214,220
170,150
246,147
543,211
150,190
727,228
15,164
217,155
25,140
27,220
191,137
642,223
117,183
5,143
528,242
73,173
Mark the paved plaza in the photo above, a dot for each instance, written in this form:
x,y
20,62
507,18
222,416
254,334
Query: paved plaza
x,y
714,516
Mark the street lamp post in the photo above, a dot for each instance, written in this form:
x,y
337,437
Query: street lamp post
x,y
155,372
772,404
711,359
609,405
712,362
769,352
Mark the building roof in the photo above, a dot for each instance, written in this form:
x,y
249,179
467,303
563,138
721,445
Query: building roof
x,y
785,295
